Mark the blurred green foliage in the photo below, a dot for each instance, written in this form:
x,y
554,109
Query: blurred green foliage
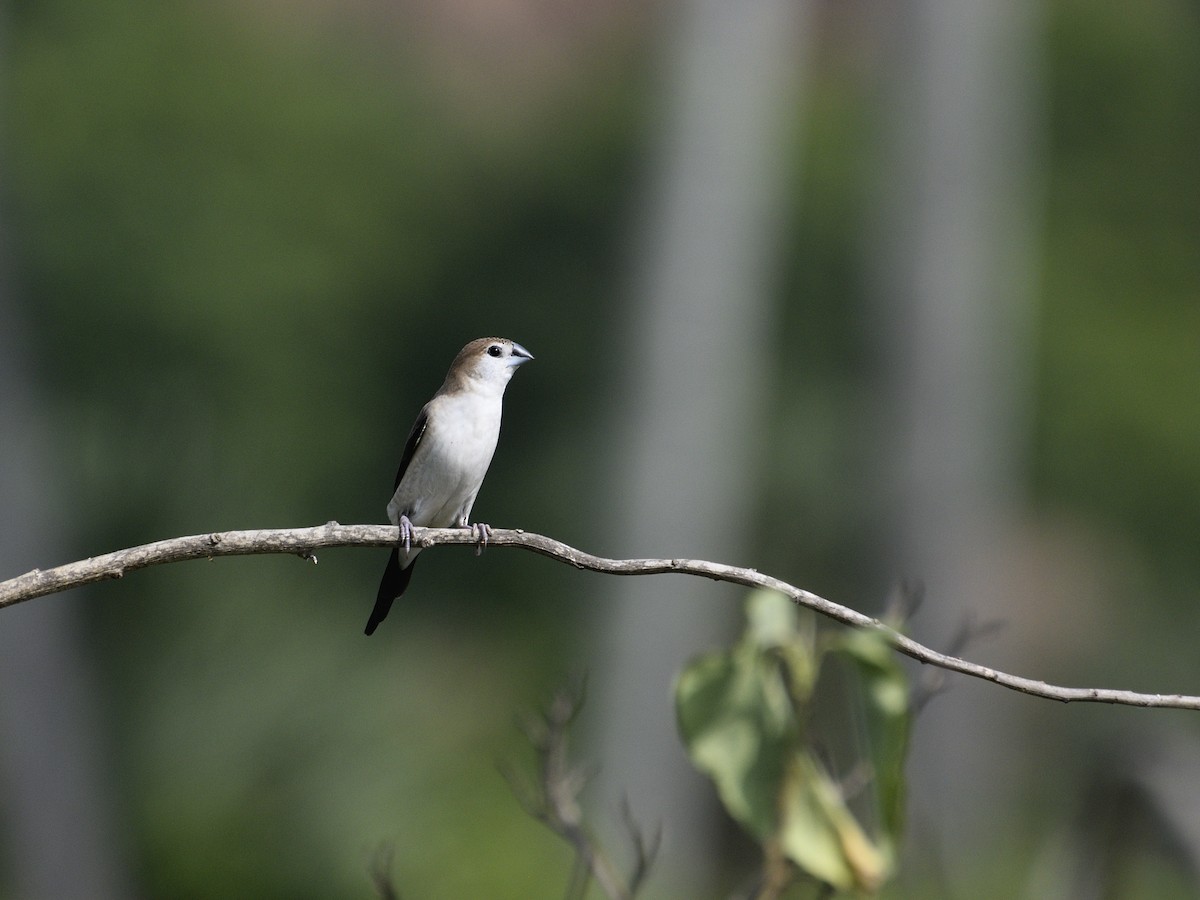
x,y
1119,429
745,715
252,238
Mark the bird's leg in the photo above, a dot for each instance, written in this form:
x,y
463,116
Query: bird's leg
x,y
482,533
406,527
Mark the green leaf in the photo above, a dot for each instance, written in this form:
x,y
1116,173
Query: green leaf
x,y
820,834
741,715
885,690
737,725
776,624
772,620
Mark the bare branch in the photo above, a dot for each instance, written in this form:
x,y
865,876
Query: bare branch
x,y
304,541
554,800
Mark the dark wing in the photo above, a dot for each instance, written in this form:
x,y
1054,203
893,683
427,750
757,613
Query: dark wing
x,y
410,446
395,579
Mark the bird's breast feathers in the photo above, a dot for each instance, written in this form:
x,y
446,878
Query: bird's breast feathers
x,y
449,464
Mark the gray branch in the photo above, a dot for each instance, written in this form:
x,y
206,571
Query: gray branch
x,y
304,542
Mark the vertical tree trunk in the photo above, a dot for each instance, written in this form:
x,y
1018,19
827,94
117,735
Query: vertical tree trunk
x,y
952,285
685,436
58,837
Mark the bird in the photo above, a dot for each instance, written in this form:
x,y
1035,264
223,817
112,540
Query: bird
x,y
446,456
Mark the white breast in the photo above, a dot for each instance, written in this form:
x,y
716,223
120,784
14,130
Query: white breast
x,y
447,470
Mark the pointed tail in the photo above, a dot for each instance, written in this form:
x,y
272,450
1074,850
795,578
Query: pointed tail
x,y
395,580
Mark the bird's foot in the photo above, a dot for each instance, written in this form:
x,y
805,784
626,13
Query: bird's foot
x,y
406,527
482,534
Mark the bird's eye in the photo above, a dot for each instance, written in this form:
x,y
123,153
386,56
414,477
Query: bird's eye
x,y
494,350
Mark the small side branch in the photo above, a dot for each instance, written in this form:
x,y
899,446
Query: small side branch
x,y
553,799
305,541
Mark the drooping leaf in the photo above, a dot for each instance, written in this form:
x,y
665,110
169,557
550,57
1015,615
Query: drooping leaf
x,y
776,624
886,701
819,833
736,723
742,714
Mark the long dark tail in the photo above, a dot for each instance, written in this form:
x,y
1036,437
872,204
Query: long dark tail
x,y
395,581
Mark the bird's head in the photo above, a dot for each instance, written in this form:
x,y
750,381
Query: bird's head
x,y
489,361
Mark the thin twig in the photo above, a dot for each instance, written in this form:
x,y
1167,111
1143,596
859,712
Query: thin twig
x,y
554,800
381,872
303,541
645,849
934,683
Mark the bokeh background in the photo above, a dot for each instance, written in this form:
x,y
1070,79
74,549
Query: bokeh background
x,y
850,293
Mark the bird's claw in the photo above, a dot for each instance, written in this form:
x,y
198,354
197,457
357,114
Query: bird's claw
x,y
482,533
406,527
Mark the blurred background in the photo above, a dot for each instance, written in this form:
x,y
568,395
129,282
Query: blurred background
x,y
849,292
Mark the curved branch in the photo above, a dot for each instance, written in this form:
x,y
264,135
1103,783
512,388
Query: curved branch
x,y
304,541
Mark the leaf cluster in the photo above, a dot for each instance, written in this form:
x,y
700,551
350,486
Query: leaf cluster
x,y
745,717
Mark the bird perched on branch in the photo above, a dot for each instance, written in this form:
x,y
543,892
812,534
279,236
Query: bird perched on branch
x,y
446,456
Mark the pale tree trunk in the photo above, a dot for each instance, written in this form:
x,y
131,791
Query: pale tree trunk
x,y
953,287
59,836
686,437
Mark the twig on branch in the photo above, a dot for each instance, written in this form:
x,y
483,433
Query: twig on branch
x,y
553,800
381,872
304,541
